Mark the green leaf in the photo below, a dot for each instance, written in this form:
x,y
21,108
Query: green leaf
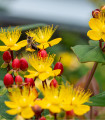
x,y
3,108
4,65
86,53
11,71
3,91
94,43
25,27
98,100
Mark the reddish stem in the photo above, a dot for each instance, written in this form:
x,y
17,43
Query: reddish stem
x,y
12,55
8,68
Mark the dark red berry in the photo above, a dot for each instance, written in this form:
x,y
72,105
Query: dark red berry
x,y
23,64
18,80
54,83
16,64
7,56
8,80
59,65
42,53
29,82
70,114
96,13
42,118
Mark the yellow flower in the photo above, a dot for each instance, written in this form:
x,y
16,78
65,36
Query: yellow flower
x,y
42,37
75,98
10,40
65,98
41,68
98,28
21,102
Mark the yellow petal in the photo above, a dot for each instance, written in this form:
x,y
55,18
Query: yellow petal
x,y
22,43
30,76
27,113
15,47
32,71
81,109
13,111
43,45
56,72
95,24
43,76
30,50
3,48
11,104
94,35
54,109
66,107
55,41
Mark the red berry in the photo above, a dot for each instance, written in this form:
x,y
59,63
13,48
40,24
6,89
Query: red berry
x,y
7,56
23,64
18,80
29,82
16,64
59,65
70,113
54,83
42,53
8,80
42,118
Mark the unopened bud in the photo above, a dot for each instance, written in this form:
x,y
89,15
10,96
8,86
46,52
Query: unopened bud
x,y
96,13
37,109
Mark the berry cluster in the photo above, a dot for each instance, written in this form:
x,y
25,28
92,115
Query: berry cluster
x,y
22,65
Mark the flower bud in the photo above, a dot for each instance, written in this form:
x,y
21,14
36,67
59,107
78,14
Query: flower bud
x,y
29,81
70,114
96,13
16,64
54,83
37,109
59,65
42,118
8,80
18,80
23,64
7,56
42,54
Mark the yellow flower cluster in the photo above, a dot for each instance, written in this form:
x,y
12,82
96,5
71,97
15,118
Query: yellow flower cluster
x,y
55,99
67,98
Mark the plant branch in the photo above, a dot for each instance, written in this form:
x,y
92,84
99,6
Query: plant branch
x,y
8,68
90,76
